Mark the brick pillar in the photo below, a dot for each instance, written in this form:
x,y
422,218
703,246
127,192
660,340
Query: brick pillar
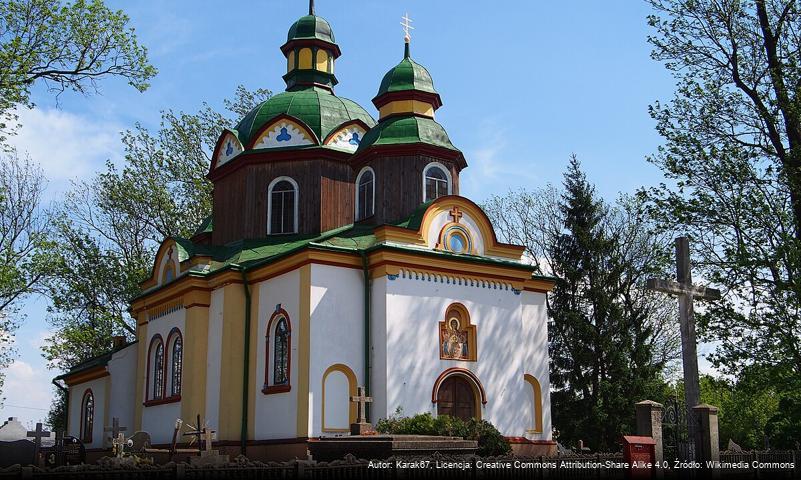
x,y
649,424
707,421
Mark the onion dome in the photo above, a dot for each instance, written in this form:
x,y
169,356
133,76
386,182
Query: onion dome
x,y
310,51
406,102
319,110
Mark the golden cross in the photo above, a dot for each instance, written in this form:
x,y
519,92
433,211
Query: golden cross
x,y
407,26
456,214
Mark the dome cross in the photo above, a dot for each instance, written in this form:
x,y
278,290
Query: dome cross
x,y
407,26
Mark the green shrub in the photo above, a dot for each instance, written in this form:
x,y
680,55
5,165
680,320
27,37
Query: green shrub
x,y
490,441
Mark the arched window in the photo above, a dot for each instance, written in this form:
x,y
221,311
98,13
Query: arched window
x,y
365,194
87,416
436,182
278,353
175,344
281,353
282,206
155,369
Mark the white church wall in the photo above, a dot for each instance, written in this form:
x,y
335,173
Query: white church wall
x,y
276,413
535,363
159,420
122,368
414,309
378,360
337,333
98,387
213,363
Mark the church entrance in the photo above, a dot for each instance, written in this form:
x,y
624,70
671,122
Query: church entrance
x,y
456,398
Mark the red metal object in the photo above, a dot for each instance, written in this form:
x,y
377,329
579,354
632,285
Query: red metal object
x,y
639,453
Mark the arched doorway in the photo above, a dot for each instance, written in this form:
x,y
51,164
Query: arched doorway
x,y
456,398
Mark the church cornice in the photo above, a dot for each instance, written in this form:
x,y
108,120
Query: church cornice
x,y
408,149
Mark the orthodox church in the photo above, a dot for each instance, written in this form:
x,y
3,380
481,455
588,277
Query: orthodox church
x,y
339,254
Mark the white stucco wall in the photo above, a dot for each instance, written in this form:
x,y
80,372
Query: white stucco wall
x,y
337,332
213,362
159,420
509,346
99,391
276,413
122,368
535,362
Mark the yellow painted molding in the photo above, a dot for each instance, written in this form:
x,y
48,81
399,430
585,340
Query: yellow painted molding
x,y
406,106
491,246
304,351
340,367
195,361
254,349
535,385
390,233
141,366
231,361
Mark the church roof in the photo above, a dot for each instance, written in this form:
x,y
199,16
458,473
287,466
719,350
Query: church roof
x,y
407,75
318,108
399,130
311,27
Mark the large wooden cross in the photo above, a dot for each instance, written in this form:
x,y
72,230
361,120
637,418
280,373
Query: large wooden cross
x,y
684,289
37,436
361,400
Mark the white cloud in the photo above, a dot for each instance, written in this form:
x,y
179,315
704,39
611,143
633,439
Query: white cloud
x,y
27,392
65,144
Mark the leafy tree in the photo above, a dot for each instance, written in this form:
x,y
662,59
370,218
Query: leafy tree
x,y
733,152
610,340
24,243
108,228
65,46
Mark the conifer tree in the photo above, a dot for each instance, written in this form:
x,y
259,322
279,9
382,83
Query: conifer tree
x,y
601,363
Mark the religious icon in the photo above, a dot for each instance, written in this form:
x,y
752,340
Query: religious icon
x,y
454,341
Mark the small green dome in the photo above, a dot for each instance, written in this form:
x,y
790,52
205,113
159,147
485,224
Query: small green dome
x,y
318,108
311,27
406,130
407,75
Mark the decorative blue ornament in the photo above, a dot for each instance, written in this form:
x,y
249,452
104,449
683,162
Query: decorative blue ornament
x,y
354,139
284,136
229,149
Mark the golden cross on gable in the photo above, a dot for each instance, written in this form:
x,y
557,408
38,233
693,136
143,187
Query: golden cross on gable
x,y
456,214
407,26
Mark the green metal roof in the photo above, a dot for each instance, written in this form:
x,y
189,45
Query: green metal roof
x,y
397,130
318,108
407,75
206,226
311,27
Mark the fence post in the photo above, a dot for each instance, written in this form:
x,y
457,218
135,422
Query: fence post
x,y
649,424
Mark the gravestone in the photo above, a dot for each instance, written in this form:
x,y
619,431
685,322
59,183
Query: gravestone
x,y
37,436
17,452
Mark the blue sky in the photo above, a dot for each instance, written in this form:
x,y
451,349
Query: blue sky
x,y
524,84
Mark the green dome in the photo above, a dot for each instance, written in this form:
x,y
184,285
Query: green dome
x,y
407,75
319,109
311,27
406,130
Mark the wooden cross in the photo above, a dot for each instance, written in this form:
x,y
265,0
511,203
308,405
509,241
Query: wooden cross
x,y
407,26
115,428
361,401
684,289
37,436
456,214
